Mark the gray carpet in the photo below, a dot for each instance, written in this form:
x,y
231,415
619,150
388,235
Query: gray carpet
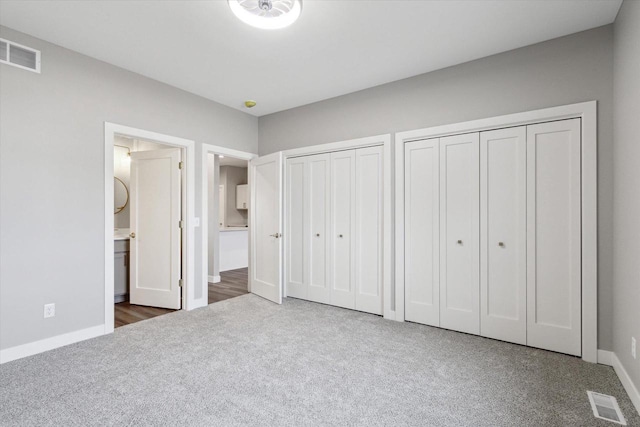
x,y
246,361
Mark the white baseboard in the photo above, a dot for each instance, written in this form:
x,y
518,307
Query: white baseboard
x,y
605,357
626,381
214,279
29,349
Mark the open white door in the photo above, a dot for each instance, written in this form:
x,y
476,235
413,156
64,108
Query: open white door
x,y
265,222
155,228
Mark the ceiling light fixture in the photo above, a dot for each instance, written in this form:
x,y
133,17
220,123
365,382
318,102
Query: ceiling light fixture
x,y
267,14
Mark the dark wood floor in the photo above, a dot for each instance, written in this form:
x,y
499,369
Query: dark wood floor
x,y
233,283
126,313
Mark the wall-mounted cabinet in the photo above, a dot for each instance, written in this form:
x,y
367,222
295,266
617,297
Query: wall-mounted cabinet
x,y
242,196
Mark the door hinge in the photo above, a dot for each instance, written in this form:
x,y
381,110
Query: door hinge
x,y
181,224
180,283
180,165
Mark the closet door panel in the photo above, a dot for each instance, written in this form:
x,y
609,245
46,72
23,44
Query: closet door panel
x,y
342,227
459,233
503,234
368,230
554,236
422,293
296,252
319,213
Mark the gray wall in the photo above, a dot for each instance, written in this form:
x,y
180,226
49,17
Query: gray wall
x,y
52,163
626,249
233,176
567,70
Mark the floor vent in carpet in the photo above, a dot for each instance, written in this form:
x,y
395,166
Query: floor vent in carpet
x,y
606,407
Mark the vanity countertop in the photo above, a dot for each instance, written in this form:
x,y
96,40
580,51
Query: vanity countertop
x,y
121,233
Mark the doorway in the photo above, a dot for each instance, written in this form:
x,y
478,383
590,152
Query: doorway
x,y
148,232
147,229
226,208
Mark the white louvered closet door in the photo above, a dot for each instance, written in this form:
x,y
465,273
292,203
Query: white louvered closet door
x,y
343,218
503,234
368,229
554,236
459,233
422,229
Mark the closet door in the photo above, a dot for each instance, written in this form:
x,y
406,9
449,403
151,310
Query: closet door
x,y
318,231
342,240
422,223
554,236
368,230
297,229
503,198
459,233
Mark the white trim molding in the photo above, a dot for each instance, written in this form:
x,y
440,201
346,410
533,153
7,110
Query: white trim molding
x,y
29,349
387,237
609,358
587,111
605,357
188,260
204,223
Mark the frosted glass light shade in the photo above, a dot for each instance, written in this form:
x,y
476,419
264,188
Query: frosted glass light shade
x,y
267,14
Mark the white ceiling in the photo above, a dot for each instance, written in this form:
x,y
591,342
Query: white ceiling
x,y
336,47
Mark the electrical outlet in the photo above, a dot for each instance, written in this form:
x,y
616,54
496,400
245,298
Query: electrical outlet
x,y
633,347
49,310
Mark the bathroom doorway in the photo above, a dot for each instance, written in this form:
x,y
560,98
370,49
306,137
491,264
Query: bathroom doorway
x,y
227,235
151,264
147,229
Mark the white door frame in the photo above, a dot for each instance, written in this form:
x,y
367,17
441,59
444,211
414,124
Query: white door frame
x,y
587,111
111,130
387,211
204,223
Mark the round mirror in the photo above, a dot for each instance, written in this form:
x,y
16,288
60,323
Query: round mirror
x,y
120,195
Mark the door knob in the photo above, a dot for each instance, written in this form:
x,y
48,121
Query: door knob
x,y
132,235
340,235
277,235
459,242
501,244
317,234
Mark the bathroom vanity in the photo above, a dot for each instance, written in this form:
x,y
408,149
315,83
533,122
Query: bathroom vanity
x,y
121,265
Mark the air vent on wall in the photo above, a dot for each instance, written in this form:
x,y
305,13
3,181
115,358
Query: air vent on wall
x,y
19,56
3,50
606,407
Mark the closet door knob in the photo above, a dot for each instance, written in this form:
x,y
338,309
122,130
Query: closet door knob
x,y
132,235
340,235
501,244
317,234
459,242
